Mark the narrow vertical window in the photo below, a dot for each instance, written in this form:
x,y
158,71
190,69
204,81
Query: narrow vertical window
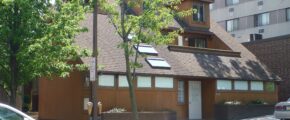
x,y
181,92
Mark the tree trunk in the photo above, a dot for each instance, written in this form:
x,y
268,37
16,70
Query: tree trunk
x,y
13,64
131,86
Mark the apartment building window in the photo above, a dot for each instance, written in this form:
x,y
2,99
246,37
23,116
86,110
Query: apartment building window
x,y
232,25
199,15
232,2
288,14
197,42
262,19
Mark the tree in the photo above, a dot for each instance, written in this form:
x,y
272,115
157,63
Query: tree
x,y
148,26
36,40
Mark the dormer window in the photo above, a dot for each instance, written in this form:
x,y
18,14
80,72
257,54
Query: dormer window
x,y
197,42
199,15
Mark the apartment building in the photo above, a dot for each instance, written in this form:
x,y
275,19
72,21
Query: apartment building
x,y
261,18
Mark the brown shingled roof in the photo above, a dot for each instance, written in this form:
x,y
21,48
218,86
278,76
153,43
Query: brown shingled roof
x,y
246,67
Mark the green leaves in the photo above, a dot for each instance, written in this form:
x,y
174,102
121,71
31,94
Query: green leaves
x,y
44,36
147,20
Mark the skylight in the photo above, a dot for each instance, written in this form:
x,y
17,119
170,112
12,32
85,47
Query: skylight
x,y
146,49
157,62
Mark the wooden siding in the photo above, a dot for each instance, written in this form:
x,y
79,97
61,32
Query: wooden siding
x,y
246,96
156,99
62,99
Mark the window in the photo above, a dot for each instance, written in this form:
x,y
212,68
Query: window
x,y
262,19
146,49
232,2
123,81
181,92
257,86
199,15
241,85
158,62
7,114
197,42
232,25
288,14
106,80
144,82
270,86
224,84
163,82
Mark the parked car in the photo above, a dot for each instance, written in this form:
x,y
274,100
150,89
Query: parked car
x,y
9,113
282,110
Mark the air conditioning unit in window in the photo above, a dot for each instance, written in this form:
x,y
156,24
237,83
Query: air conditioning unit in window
x,y
254,37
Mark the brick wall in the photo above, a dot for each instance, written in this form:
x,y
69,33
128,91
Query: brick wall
x,y
275,53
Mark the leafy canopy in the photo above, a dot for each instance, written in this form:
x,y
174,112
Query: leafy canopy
x,y
40,35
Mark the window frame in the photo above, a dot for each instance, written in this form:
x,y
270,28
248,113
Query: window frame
x,y
194,40
262,83
257,18
231,85
162,87
247,84
200,16
102,86
232,2
119,76
235,25
142,87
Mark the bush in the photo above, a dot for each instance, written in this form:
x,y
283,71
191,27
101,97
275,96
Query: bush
x,y
116,110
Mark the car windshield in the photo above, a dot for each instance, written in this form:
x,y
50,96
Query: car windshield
x,y
6,114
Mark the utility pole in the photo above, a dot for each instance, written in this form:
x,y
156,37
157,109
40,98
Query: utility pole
x,y
95,45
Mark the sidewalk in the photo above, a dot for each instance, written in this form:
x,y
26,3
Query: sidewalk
x,y
267,117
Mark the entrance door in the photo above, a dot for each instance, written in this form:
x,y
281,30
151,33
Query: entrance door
x,y
194,106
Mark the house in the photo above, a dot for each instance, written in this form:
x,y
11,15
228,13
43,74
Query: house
x,y
274,52
204,66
